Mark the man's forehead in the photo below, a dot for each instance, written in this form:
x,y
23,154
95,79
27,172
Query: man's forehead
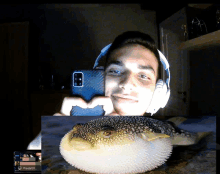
x,y
133,53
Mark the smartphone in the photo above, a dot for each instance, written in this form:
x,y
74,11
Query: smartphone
x,y
87,84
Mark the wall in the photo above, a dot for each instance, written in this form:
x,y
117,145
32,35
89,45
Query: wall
x,y
65,37
205,84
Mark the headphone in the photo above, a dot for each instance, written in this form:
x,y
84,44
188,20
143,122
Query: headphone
x,y
162,89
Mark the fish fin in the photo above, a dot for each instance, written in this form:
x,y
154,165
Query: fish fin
x,y
185,140
151,136
177,120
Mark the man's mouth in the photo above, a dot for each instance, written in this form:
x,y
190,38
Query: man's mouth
x,y
124,98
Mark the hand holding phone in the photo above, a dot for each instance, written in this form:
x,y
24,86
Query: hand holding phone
x,y
88,84
70,102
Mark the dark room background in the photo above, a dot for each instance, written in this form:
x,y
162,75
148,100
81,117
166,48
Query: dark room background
x,y
64,37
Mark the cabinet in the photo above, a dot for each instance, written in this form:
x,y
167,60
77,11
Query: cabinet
x,y
171,36
192,93
203,42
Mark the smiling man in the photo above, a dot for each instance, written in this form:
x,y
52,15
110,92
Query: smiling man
x,y
132,69
131,74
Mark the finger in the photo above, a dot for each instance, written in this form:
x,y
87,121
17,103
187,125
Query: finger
x,y
69,102
112,114
108,107
109,110
58,114
79,102
100,100
105,101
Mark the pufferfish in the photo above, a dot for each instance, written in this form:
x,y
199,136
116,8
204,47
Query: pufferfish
x,y
121,144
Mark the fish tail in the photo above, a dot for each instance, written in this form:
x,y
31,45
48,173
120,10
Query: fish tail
x,y
177,120
201,135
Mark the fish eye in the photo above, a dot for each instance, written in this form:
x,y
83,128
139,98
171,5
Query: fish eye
x,y
107,131
107,134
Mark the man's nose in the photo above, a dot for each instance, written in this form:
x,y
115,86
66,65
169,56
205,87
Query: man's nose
x,y
128,82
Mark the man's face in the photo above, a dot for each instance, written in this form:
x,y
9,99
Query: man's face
x,y
130,79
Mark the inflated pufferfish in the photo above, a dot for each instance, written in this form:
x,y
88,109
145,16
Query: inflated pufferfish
x,y
122,144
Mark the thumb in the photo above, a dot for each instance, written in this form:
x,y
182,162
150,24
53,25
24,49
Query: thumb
x,y
108,108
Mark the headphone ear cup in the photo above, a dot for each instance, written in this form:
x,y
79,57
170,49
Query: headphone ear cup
x,y
166,98
158,97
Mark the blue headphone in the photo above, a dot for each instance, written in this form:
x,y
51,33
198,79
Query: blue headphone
x,y
162,90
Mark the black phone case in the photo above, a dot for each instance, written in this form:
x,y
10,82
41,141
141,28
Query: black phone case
x,y
92,84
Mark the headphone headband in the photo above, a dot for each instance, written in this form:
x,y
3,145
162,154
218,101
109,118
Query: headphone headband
x,y
162,59
103,53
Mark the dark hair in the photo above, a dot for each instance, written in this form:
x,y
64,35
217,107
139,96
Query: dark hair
x,y
135,37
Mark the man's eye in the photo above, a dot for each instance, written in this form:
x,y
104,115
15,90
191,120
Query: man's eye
x,y
116,72
143,76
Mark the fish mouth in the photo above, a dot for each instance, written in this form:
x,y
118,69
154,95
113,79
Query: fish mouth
x,y
80,145
124,98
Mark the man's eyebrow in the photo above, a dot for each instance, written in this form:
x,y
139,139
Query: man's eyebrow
x,y
148,67
143,67
115,62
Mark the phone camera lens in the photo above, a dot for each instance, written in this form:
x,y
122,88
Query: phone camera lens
x,y
78,79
